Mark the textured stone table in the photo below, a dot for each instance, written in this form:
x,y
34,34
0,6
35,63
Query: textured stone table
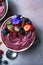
x,y
32,9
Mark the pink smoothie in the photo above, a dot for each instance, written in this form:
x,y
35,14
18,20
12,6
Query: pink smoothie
x,y
18,40
2,8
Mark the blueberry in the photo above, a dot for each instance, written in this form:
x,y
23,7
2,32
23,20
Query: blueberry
x,y
0,61
0,56
0,3
5,31
27,21
20,28
5,62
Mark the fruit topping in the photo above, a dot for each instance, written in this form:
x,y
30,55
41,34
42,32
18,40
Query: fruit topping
x,y
8,22
5,31
27,27
10,28
27,21
16,28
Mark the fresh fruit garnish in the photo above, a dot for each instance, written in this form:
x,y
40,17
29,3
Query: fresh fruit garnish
x,y
5,31
1,52
27,21
23,22
16,28
8,22
10,28
27,27
20,28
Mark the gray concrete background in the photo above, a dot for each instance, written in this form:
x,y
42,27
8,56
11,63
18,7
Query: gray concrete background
x,y
32,9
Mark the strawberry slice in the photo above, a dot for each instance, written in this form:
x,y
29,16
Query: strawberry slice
x,y
27,27
16,28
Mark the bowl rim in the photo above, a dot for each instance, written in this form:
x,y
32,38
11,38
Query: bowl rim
x,y
21,49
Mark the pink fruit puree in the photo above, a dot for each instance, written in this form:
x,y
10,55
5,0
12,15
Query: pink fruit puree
x,y
2,9
17,41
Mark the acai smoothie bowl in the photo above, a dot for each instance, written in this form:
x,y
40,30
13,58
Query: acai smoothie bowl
x,y
18,33
3,8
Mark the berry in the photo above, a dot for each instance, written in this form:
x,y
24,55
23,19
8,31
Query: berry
x,y
5,62
8,22
27,21
16,28
1,52
0,61
27,27
0,56
5,31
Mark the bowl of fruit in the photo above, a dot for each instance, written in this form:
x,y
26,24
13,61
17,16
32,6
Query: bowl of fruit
x,y
18,33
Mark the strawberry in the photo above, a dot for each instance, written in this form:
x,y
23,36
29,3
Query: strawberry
x,y
27,27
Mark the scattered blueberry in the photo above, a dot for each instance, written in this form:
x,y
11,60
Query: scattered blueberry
x,y
0,56
0,61
1,52
5,62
